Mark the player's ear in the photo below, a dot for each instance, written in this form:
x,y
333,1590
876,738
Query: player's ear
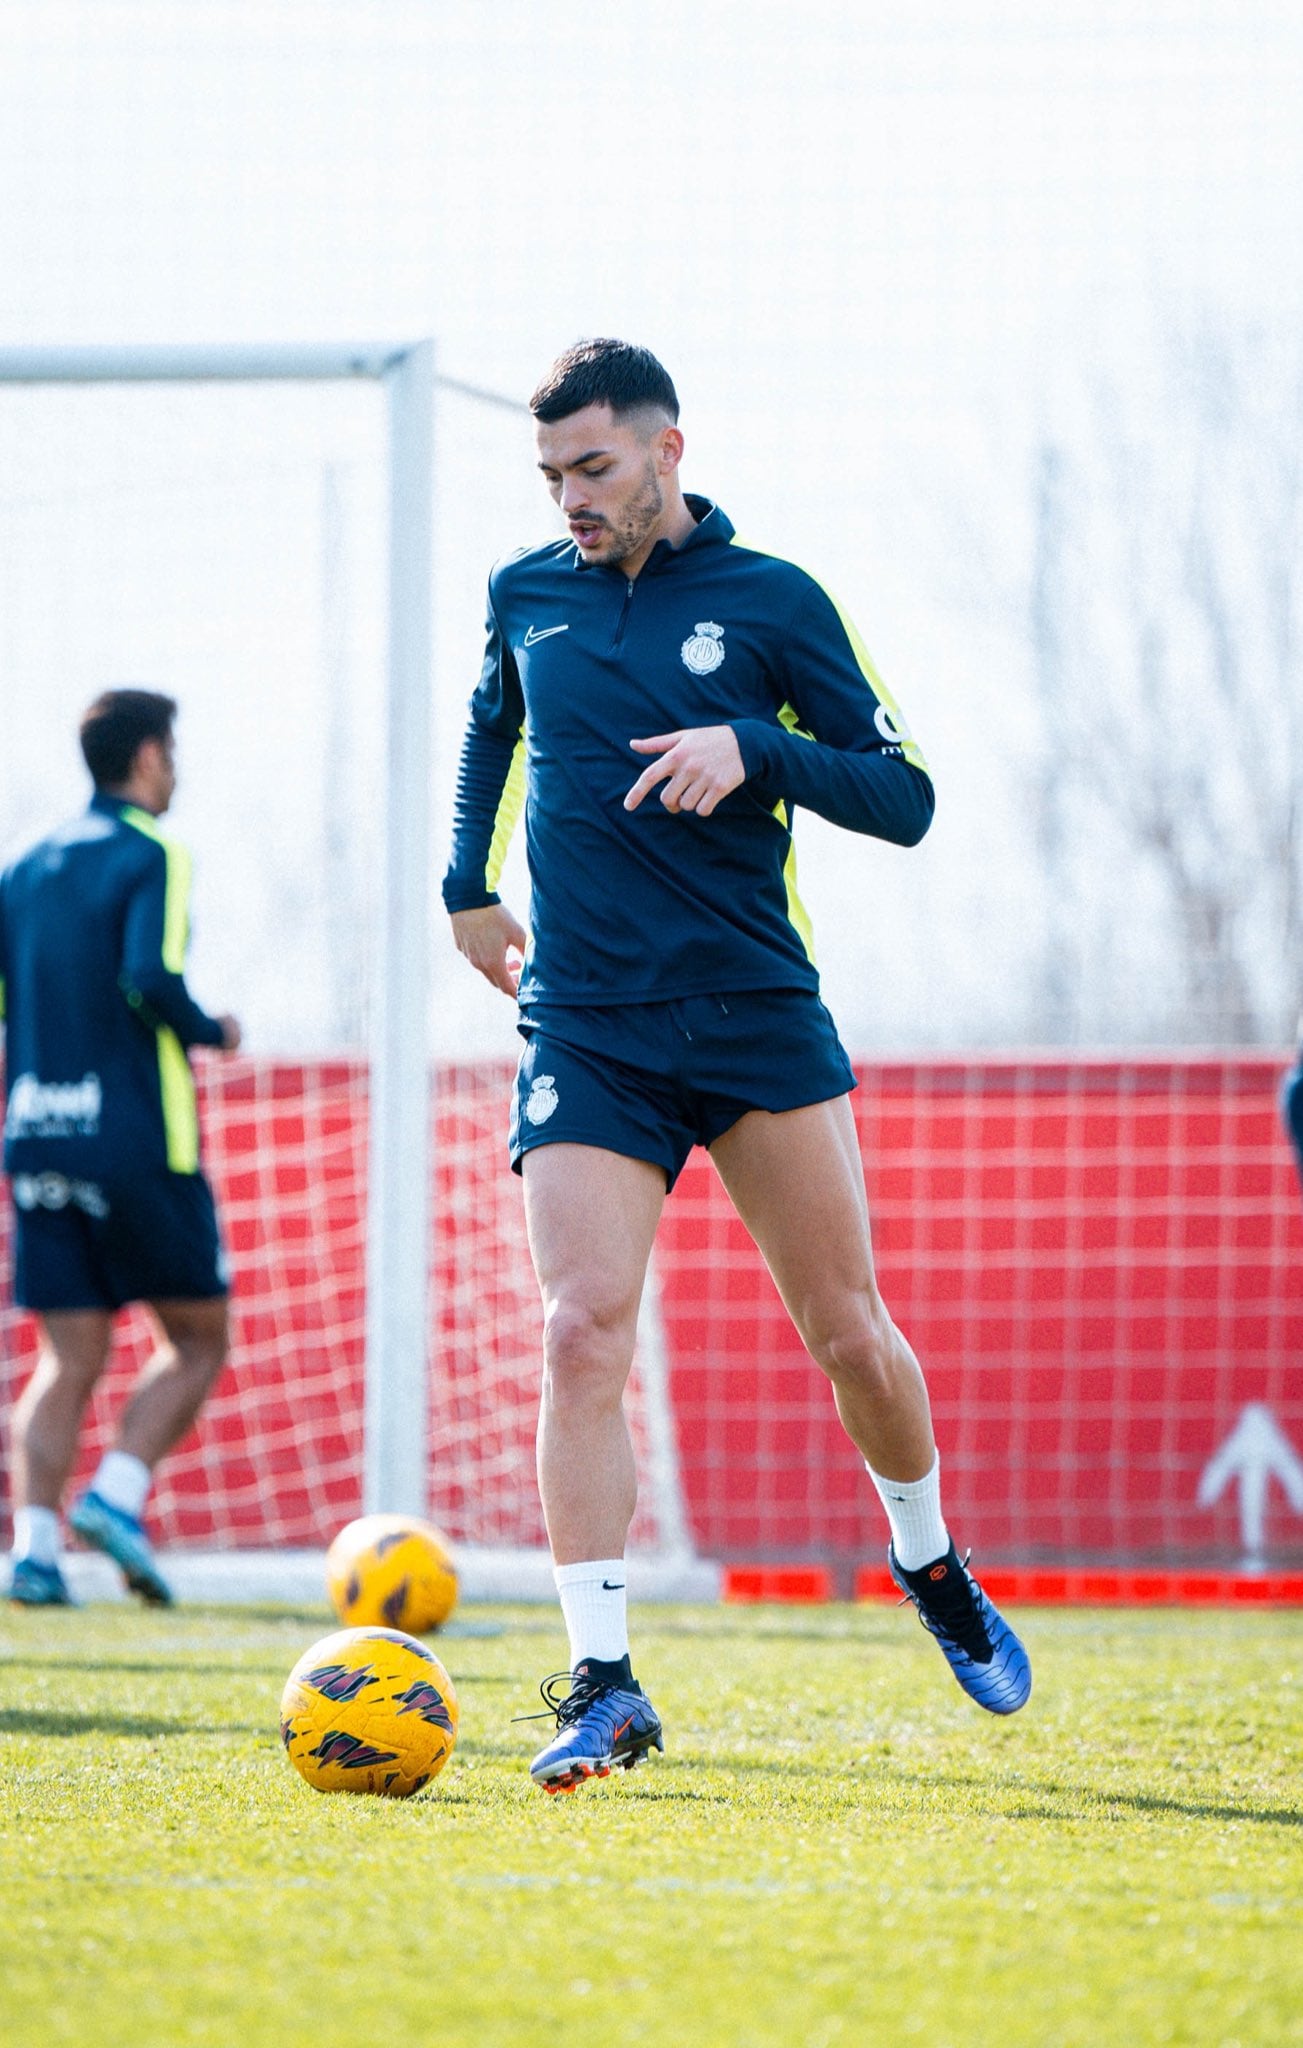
x,y
669,451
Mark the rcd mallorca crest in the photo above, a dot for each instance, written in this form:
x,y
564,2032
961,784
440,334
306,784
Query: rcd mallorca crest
x,y
542,1101
704,651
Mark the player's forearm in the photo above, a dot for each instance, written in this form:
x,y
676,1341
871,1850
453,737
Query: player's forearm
x,y
481,818
875,792
160,997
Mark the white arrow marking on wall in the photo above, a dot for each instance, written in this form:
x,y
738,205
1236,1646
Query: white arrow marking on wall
x,y
1256,1450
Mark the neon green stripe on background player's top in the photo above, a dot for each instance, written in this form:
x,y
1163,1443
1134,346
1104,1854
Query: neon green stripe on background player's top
x,y
180,1112
175,1080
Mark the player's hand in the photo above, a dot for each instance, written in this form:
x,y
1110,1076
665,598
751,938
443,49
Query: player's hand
x,y
699,767
232,1036
493,942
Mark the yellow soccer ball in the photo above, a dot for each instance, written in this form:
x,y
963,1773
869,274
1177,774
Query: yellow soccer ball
x,y
369,1710
391,1571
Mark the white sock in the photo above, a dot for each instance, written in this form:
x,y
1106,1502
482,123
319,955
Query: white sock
x,y
123,1481
593,1603
918,1530
36,1534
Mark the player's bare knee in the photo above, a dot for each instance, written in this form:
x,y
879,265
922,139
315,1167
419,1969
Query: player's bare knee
x,y
198,1333
862,1353
584,1349
68,1373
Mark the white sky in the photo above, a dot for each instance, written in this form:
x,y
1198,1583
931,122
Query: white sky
x,y
873,241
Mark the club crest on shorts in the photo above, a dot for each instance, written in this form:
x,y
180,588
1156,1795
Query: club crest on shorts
x,y
703,651
542,1101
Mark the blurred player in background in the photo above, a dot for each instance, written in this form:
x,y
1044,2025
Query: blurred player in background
x,y
1291,1102
101,1142
668,995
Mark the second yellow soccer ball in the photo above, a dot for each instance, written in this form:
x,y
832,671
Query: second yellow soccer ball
x,y
391,1571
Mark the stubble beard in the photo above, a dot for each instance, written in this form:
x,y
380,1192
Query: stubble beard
x,y
637,519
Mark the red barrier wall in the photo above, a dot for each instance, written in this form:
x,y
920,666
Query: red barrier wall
x,y
1099,1263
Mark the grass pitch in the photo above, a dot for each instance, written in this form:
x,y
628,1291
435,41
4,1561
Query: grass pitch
x,y
837,1848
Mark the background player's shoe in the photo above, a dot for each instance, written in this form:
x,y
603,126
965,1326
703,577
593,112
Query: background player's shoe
x,y
976,1641
38,1585
601,1725
121,1538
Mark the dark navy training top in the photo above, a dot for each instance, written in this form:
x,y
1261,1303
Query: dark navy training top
x,y
650,905
94,924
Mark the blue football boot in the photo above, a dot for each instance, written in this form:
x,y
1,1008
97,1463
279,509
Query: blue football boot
x,y
121,1537
38,1585
602,1724
976,1641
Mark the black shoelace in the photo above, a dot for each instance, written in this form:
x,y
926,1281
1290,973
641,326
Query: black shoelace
x,y
583,1693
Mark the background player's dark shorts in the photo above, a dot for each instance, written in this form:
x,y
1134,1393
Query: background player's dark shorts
x,y
81,1243
651,1080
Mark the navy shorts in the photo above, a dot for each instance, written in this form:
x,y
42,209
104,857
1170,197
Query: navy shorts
x,y
81,1243
651,1080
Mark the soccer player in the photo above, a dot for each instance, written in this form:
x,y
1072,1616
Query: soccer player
x,y
661,697
101,1142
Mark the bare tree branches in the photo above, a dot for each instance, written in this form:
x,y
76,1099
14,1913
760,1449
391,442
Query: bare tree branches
x,y
1163,612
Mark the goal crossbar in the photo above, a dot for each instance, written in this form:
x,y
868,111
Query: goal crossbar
x,y
201,363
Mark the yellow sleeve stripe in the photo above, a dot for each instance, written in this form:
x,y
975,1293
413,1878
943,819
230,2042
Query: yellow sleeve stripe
x,y
180,1112
176,890
175,1079
787,716
510,805
909,746
797,914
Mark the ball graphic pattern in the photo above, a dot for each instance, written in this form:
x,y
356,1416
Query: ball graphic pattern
x,y
369,1710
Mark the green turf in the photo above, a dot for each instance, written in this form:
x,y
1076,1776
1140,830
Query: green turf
x,y
837,1847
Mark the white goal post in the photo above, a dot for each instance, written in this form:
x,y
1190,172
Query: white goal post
x,y
395,1454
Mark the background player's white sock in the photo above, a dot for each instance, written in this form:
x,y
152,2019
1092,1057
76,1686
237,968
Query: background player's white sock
x,y
593,1603
918,1530
36,1534
123,1481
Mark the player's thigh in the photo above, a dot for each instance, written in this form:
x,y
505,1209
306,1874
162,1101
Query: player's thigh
x,y
797,1182
58,1270
591,1216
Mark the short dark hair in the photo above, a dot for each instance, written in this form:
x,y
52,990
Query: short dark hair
x,y
116,726
604,372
